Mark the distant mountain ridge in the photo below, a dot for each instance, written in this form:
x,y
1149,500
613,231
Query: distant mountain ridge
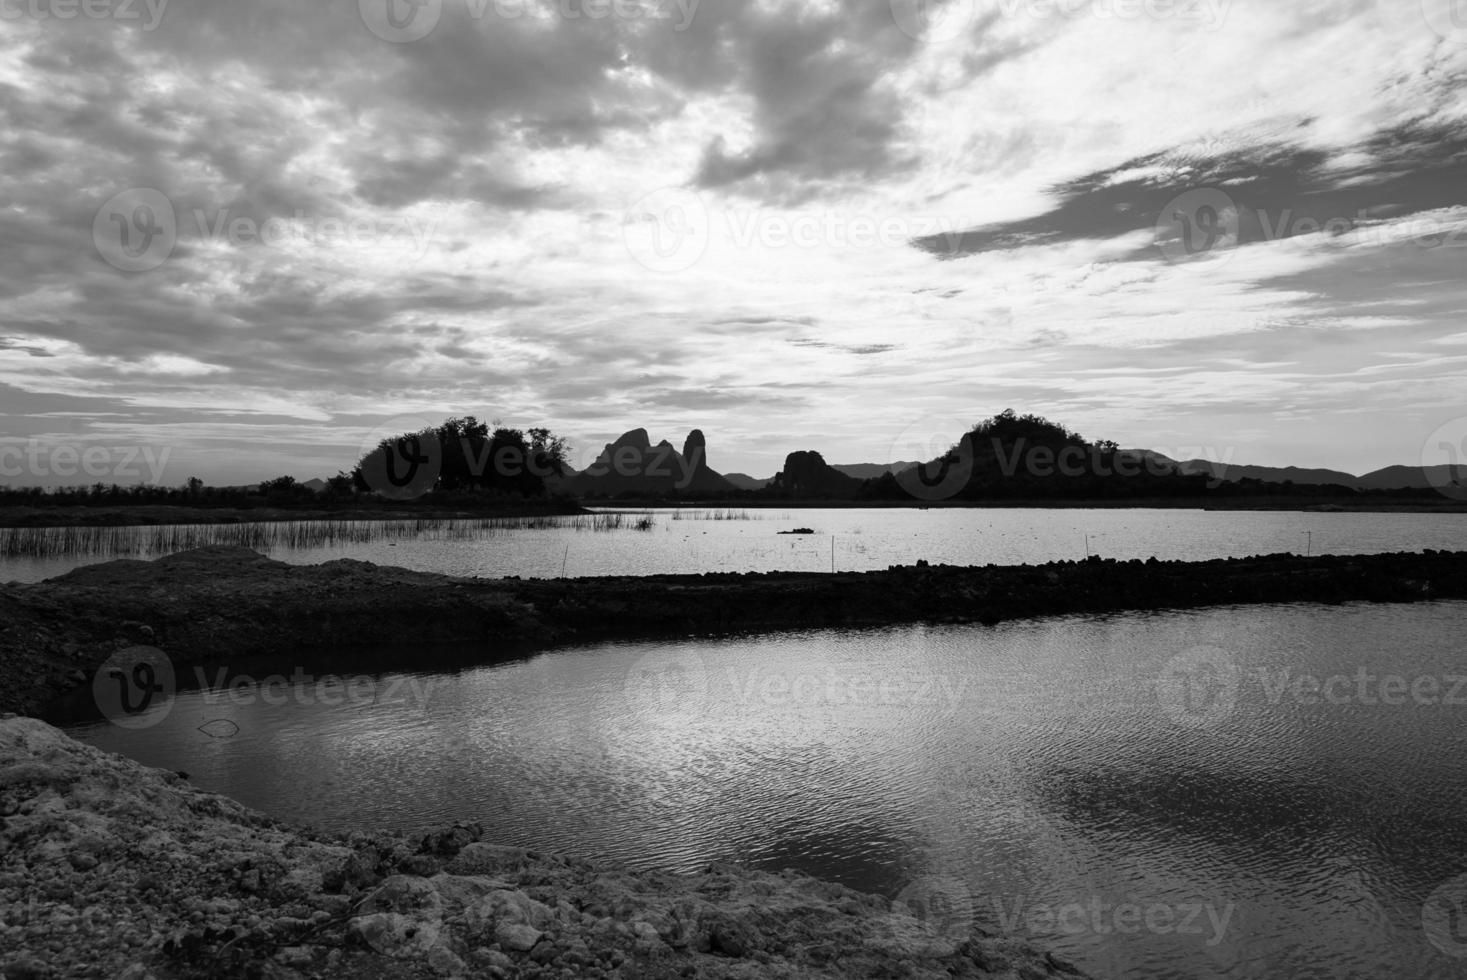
x,y
1386,478
860,471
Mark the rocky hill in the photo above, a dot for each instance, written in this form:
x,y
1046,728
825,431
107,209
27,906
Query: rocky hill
x,y
633,466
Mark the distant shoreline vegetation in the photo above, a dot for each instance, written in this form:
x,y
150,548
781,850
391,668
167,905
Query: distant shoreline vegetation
x,y
465,467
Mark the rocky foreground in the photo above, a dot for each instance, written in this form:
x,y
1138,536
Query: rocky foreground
x,y
225,605
110,869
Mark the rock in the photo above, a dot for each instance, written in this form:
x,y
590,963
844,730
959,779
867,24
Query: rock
x,y
479,858
728,936
418,864
517,936
82,861
26,968
396,935
445,962
298,957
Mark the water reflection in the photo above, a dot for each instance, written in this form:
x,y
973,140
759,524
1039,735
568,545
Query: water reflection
x,y
1027,778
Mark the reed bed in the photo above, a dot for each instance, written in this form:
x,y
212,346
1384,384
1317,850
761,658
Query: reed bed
x,y
716,515
143,541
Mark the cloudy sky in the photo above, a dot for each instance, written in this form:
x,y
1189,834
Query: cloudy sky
x,y
252,233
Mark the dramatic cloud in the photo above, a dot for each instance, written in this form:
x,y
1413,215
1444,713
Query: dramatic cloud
x,y
253,231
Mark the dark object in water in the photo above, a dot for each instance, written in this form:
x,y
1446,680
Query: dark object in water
x,y
799,530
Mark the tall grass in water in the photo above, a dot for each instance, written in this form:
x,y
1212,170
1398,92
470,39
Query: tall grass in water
x,y
136,541
716,515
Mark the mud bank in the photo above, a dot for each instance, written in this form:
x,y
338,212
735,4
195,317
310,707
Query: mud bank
x,y
110,869
225,605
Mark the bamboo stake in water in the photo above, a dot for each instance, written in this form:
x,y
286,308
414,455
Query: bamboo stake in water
x,y
564,561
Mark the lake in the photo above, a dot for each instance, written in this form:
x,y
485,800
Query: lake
x,y
1241,792
853,539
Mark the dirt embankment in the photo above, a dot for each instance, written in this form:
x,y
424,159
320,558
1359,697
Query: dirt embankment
x,y
110,869
224,605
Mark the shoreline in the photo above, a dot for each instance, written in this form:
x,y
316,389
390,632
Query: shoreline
x,y
218,605
149,878
153,515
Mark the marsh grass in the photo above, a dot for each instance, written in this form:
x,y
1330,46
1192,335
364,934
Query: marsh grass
x,y
716,515
150,541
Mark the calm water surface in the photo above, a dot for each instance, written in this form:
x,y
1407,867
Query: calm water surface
x,y
858,539
1152,795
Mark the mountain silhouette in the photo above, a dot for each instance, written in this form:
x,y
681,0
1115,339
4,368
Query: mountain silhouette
x,y
807,474
632,466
